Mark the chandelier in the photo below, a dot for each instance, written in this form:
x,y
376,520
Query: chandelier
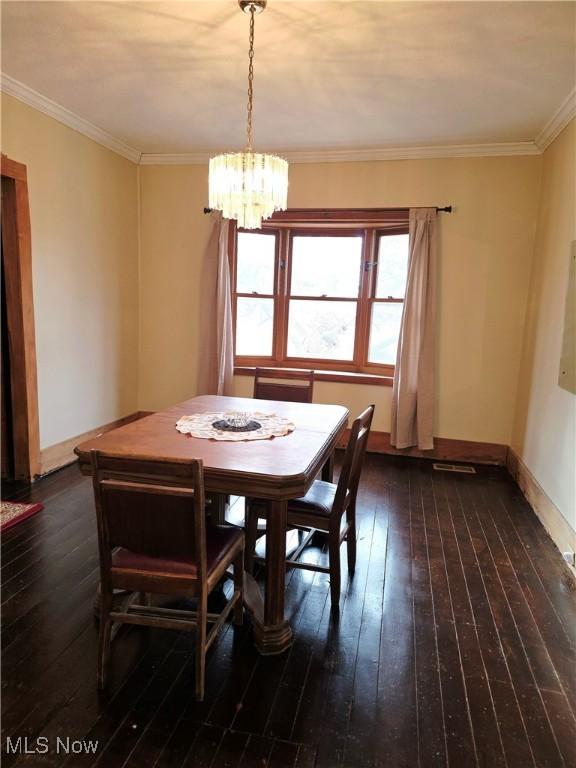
x,y
248,186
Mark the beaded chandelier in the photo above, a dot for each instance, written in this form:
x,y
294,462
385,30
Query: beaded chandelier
x,y
248,186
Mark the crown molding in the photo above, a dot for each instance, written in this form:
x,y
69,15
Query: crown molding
x,y
174,158
34,99
414,153
565,113
558,121
364,155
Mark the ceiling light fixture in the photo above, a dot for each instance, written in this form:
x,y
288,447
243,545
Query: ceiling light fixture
x,y
248,186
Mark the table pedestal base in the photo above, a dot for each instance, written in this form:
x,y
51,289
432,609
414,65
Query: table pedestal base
x,y
271,639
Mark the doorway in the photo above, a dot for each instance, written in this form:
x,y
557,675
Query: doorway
x,y
19,392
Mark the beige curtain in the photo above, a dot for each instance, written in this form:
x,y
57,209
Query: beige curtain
x,y
413,388
216,342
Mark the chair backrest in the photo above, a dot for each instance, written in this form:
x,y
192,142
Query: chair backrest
x,y
152,507
299,391
353,459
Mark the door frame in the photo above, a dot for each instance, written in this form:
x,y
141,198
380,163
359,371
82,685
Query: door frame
x,y
17,256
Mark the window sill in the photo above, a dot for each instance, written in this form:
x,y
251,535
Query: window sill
x,y
343,377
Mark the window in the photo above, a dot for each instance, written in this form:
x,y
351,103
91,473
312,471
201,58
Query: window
x,y
327,295
388,298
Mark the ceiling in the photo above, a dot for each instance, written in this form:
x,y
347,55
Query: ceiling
x,y
170,77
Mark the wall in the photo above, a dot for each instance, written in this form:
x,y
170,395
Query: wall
x,y
84,218
544,429
486,251
174,232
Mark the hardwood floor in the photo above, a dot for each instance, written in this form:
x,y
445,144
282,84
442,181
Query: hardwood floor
x,y
455,644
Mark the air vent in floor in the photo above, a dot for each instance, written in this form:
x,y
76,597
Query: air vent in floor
x,y
454,468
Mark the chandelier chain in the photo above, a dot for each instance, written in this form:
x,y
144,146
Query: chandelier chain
x,y
250,81
248,186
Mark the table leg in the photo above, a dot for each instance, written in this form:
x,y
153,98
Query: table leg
x,y
328,470
272,633
217,506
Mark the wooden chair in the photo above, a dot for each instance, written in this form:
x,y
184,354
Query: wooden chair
x,y
322,509
300,391
153,538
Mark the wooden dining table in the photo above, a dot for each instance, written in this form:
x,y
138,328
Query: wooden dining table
x,y
276,470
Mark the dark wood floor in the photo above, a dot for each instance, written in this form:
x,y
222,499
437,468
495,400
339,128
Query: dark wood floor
x,y
455,644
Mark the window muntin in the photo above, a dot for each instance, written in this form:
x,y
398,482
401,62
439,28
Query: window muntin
x,y
336,300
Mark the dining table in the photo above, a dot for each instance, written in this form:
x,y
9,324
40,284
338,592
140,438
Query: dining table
x,y
275,470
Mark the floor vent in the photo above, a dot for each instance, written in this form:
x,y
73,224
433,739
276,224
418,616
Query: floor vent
x,y
455,468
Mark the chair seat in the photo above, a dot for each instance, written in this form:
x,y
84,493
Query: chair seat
x,y
319,500
219,541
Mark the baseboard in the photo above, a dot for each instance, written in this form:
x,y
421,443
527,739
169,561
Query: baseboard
x,y
559,530
445,449
61,454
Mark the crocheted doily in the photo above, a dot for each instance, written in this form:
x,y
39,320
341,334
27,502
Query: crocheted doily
x,y
202,425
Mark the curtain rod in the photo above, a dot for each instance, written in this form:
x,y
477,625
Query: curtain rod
x,y
445,209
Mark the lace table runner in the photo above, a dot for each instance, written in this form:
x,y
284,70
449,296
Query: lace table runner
x,y
202,425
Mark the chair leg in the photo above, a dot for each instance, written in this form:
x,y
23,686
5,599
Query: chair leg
x,y
251,534
334,562
239,589
202,611
105,638
351,539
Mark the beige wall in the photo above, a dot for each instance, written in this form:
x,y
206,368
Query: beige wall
x,y
486,251
84,215
545,425
174,232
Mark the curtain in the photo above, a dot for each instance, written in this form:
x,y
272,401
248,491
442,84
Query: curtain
x,y
216,342
413,388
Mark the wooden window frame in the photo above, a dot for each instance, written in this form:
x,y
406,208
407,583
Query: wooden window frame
x,y
370,225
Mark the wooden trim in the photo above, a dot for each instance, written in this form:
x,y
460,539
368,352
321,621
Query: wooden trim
x,y
349,215
61,454
305,364
279,278
445,449
362,332
343,377
17,259
284,269
558,528
12,169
